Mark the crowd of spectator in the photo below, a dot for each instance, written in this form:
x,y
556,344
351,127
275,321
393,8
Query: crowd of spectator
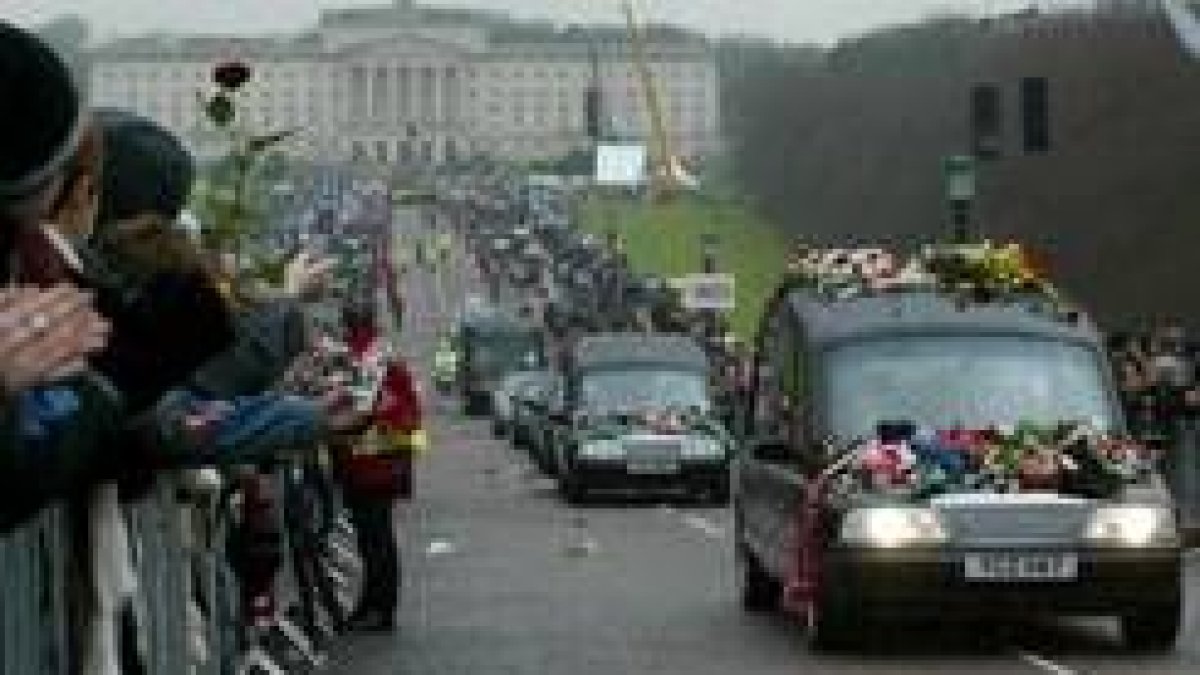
x,y
1157,378
127,350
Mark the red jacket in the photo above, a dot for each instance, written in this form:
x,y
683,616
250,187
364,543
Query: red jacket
x,y
399,406
360,340
387,473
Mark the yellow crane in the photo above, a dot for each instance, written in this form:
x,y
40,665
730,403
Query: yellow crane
x,y
668,176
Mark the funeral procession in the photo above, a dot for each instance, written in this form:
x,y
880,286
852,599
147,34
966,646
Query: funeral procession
x,y
599,337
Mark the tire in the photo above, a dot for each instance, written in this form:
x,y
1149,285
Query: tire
x,y
760,593
718,493
476,405
1152,629
572,489
499,429
833,625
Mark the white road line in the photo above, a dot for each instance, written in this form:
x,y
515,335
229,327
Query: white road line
x,y
1044,665
707,528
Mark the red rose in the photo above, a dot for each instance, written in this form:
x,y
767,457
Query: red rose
x,y
231,75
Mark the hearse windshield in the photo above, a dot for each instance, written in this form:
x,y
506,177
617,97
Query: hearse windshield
x,y
628,391
972,382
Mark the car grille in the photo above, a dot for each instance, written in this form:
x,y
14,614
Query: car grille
x,y
1012,522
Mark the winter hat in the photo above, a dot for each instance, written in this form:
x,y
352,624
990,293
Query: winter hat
x,y
41,116
146,168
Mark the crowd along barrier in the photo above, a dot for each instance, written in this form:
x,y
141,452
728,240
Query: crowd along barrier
x,y
187,606
33,599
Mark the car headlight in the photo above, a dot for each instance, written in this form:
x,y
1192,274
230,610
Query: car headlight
x,y
602,448
700,447
1129,525
892,527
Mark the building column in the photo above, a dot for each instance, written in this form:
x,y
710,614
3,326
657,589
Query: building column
x,y
397,98
411,74
369,92
439,108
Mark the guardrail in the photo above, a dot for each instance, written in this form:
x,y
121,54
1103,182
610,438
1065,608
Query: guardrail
x,y
187,604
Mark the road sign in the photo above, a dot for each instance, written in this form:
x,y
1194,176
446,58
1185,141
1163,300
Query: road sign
x,y
621,165
714,292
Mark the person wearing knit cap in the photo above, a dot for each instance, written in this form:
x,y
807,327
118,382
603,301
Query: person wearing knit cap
x,y
42,130
168,315
57,418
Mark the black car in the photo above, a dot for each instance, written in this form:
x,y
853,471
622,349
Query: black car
x,y
637,415
494,343
531,404
921,454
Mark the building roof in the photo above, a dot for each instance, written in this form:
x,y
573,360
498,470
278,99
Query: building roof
x,y
505,35
206,47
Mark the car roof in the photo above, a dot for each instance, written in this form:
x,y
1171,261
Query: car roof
x,y
828,321
638,349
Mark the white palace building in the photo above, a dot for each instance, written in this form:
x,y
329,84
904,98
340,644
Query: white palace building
x,y
419,86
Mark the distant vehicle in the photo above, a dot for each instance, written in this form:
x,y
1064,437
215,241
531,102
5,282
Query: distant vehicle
x,y
493,344
505,397
923,454
531,408
637,415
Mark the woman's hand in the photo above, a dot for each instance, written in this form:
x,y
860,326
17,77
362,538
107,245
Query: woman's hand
x,y
46,335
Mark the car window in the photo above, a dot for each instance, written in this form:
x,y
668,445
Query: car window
x,y
966,382
621,392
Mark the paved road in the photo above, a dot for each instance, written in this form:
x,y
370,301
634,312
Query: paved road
x,y
501,578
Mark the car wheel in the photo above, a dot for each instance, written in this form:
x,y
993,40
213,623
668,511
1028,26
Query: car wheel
x,y
832,624
545,461
718,493
499,429
760,593
1154,628
572,489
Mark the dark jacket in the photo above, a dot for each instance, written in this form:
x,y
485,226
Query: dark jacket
x,y
268,338
73,453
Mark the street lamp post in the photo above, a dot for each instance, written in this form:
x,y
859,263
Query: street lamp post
x,y
958,184
709,249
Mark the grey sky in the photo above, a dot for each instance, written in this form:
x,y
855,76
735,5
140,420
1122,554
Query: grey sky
x,y
798,20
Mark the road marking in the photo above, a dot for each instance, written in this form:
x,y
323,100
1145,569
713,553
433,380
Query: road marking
x,y
582,549
1045,665
706,527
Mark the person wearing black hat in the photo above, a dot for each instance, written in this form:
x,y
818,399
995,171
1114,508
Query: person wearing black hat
x,y
168,314
45,335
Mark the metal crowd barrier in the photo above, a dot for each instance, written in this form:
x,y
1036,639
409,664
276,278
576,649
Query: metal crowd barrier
x,y
187,603
1183,474
33,602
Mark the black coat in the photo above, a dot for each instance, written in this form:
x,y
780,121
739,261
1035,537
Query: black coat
x,y
164,329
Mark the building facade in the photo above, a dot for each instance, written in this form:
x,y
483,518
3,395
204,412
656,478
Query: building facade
x,y
410,85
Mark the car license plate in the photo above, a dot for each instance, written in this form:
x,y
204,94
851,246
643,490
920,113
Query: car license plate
x,y
653,467
1021,567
